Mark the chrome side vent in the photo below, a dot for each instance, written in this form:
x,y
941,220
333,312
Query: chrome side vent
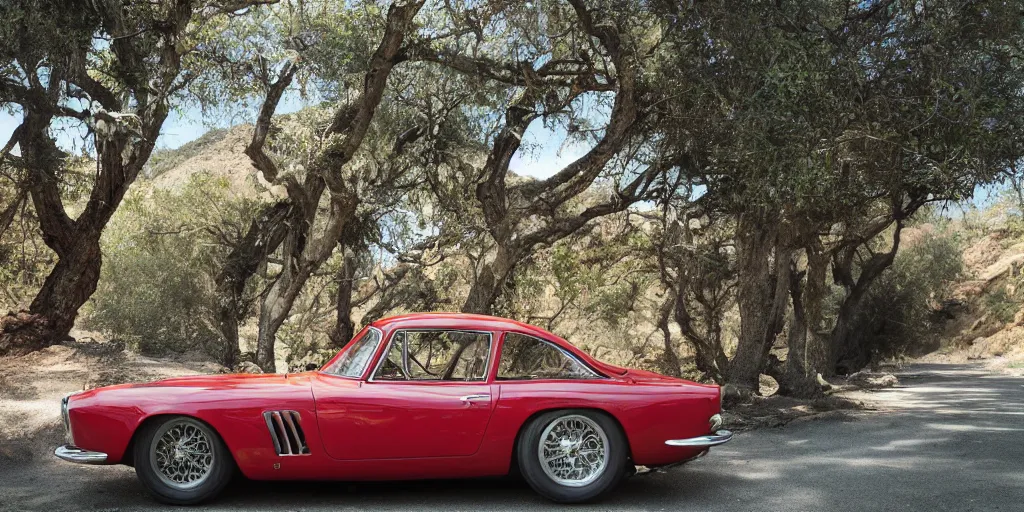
x,y
286,432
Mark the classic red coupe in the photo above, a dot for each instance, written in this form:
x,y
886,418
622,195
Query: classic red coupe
x,y
410,397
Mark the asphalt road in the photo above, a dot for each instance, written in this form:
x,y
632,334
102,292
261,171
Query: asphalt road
x,y
950,437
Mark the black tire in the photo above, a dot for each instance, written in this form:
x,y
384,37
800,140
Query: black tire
x,y
220,472
533,471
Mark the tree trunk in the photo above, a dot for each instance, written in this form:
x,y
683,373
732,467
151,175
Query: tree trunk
x,y
847,352
76,242
808,348
763,265
301,260
350,124
71,283
489,283
54,309
265,234
344,328
670,361
273,313
277,304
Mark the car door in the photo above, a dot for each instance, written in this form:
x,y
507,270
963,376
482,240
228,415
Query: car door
x,y
428,396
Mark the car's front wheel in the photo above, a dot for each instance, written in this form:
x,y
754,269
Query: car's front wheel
x,y
572,456
181,460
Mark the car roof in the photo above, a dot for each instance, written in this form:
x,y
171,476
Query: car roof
x,y
459,321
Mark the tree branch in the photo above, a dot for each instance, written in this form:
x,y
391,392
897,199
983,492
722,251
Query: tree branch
x,y
261,130
580,174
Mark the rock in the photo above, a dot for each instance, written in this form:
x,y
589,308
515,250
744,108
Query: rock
x,y
247,367
733,394
1018,317
1001,266
825,386
871,380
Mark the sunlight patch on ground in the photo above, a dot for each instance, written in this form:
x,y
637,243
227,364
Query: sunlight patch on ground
x,y
960,427
905,444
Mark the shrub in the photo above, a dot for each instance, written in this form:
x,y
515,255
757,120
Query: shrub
x,y
896,317
162,251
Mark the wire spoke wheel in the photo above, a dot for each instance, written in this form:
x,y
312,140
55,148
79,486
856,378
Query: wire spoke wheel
x,y
573,451
182,454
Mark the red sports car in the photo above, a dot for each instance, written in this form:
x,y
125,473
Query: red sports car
x,y
410,397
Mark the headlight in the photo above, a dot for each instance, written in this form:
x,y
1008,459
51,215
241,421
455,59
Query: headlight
x,y
67,420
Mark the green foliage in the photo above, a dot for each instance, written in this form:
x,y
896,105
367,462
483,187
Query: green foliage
x,y
897,315
595,289
1001,305
161,254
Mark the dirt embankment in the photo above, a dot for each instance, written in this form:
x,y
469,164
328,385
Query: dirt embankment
x,y
985,314
32,386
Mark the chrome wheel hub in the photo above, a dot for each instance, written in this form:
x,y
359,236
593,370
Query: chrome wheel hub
x,y
182,454
573,451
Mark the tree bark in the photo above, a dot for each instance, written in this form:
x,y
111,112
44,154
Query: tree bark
x,y
670,360
348,128
847,351
763,266
74,278
123,146
53,312
808,344
301,259
490,282
344,327
511,211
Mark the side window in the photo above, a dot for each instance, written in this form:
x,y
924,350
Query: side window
x,y
527,358
425,355
353,362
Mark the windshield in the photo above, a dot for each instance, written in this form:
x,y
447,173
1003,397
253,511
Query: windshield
x,y
358,354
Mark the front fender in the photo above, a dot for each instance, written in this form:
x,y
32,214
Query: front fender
x,y
106,419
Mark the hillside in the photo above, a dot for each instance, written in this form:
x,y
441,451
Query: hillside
x,y
218,153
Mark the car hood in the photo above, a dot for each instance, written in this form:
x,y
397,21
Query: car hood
x,y
229,380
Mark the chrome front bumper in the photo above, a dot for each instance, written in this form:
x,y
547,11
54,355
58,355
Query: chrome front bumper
x,y
72,453
719,437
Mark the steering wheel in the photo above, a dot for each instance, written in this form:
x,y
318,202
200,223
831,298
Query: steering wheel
x,y
389,370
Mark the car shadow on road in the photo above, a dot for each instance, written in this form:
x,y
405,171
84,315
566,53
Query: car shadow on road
x,y
467,494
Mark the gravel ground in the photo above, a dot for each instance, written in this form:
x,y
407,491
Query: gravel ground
x,y
949,437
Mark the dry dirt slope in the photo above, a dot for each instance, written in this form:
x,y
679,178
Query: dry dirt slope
x,y
987,306
32,386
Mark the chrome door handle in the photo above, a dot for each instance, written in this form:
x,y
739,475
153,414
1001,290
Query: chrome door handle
x,y
470,398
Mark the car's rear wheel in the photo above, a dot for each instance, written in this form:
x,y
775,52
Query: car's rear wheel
x,y
572,456
181,460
